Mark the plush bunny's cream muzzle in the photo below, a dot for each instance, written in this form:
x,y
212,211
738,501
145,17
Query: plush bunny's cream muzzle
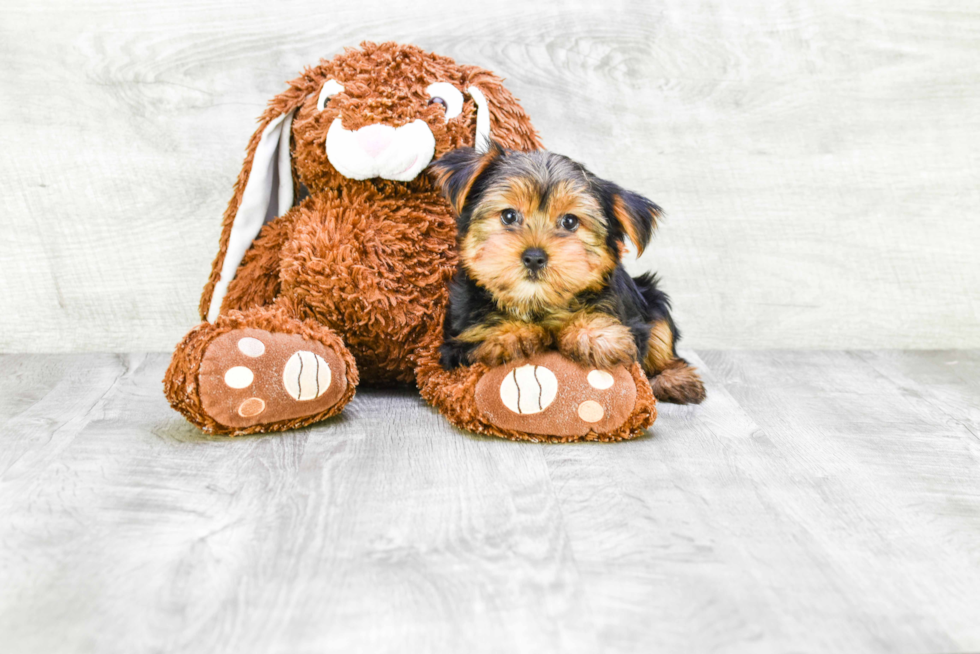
x,y
395,153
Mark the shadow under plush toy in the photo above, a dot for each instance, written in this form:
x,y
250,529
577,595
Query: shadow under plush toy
x,y
335,256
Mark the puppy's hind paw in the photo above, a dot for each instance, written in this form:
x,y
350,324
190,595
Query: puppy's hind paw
x,y
678,383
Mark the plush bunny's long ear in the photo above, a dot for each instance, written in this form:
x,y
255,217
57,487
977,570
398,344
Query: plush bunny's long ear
x,y
268,193
263,191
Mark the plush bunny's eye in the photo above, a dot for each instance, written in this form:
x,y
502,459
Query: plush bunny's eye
x,y
330,88
447,95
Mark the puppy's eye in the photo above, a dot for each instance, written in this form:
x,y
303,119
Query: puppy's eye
x,y
509,217
569,222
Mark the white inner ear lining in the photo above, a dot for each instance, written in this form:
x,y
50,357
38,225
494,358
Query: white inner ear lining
x,y
481,142
261,201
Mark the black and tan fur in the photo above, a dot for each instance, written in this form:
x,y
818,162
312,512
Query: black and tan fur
x,y
540,243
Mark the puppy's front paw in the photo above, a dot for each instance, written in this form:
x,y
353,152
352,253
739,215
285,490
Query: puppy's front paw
x,y
510,342
597,340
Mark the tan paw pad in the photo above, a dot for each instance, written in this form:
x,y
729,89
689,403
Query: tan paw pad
x,y
306,376
251,407
529,389
239,377
251,347
600,379
590,411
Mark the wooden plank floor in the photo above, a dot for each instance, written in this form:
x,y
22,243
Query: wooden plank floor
x,y
818,501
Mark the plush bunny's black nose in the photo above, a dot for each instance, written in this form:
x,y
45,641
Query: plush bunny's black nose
x,y
534,259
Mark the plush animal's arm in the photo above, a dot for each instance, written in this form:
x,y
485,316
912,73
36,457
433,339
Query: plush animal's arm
x,y
257,282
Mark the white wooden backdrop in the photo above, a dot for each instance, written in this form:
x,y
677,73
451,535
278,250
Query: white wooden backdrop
x,y
819,160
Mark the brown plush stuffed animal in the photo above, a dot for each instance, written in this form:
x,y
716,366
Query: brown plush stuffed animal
x,y
335,254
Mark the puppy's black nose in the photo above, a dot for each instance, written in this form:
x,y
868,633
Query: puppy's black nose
x,y
534,259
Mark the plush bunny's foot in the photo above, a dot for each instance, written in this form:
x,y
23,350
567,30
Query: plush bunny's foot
x,y
548,394
254,377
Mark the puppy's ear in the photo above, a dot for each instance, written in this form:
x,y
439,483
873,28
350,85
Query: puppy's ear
x,y
455,172
635,215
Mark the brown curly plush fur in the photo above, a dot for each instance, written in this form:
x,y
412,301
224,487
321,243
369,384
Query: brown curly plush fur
x,y
363,266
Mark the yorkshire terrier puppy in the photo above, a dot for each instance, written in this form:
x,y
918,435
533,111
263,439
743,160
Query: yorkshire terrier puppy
x,y
540,244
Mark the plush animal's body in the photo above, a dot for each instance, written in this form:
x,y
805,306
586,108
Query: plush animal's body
x,y
370,264
335,256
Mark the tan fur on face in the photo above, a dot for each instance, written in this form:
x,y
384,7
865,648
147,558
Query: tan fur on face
x,y
506,341
597,340
578,260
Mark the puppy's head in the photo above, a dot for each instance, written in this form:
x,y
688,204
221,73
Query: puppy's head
x,y
536,228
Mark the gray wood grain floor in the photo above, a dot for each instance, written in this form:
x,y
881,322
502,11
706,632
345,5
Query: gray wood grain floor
x,y
818,501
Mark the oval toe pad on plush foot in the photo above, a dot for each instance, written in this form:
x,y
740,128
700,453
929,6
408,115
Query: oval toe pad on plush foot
x,y
550,395
251,376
